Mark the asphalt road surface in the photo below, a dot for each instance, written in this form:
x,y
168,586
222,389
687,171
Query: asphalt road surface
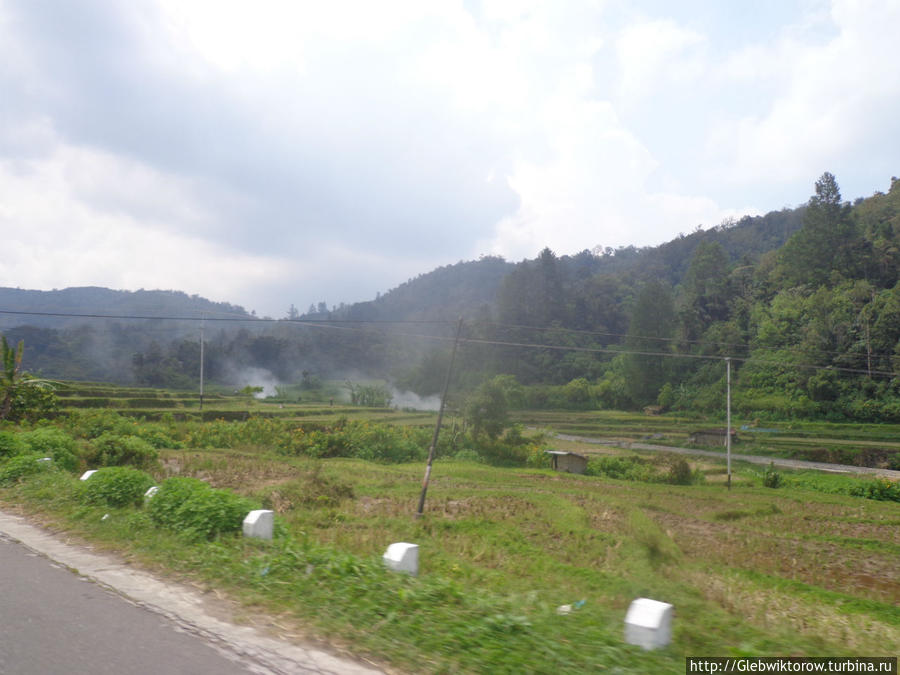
x,y
53,621
110,618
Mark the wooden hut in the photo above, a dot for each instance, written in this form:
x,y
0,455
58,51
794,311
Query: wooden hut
x,y
569,462
712,437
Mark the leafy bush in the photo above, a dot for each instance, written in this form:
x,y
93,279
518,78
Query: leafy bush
x,y
363,440
468,455
172,493
679,472
116,486
191,506
95,423
538,457
21,466
881,489
157,435
486,410
110,449
11,444
31,400
772,479
622,468
53,443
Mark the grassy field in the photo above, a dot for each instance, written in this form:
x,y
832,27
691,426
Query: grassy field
x,y
751,571
840,443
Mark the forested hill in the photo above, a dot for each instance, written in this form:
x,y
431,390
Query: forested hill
x,y
90,348
444,293
97,300
470,288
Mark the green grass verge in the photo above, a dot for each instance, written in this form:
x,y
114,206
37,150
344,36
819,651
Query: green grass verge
x,y
751,571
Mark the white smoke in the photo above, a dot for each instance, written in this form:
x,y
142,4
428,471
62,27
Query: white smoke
x,y
259,377
407,399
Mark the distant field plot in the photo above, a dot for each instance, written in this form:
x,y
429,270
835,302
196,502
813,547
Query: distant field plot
x,y
875,445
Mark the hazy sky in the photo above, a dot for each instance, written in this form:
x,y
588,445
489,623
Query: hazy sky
x,y
277,151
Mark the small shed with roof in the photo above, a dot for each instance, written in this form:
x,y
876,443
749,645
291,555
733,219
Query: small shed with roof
x,y
569,462
712,437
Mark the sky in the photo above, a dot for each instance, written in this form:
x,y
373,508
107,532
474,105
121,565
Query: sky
x,y
283,152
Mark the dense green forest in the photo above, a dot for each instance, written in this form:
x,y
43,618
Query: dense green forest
x,y
804,301
812,326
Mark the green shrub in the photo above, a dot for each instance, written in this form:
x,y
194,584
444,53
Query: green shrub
x,y
622,468
32,401
116,486
95,423
53,443
47,439
468,455
880,489
191,506
11,444
772,479
20,466
679,472
172,493
157,435
110,449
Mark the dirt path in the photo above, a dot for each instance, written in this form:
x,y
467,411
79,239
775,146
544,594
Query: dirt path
x,y
753,459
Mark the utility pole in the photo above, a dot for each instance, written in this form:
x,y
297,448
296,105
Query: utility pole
x,y
201,365
437,426
728,416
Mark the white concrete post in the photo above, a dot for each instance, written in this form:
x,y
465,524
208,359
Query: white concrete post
x,y
402,557
259,524
648,623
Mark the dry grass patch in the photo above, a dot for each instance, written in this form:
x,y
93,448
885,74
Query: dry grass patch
x,y
236,471
829,565
773,610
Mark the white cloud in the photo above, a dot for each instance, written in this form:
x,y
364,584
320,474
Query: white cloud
x,y
369,142
56,237
827,102
657,51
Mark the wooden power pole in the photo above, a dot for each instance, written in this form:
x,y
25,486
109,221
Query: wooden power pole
x,y
437,426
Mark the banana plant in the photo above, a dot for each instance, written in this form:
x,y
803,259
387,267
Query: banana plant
x,y
11,379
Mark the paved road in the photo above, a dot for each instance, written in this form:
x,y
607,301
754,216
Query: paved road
x,y
753,459
110,618
53,621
